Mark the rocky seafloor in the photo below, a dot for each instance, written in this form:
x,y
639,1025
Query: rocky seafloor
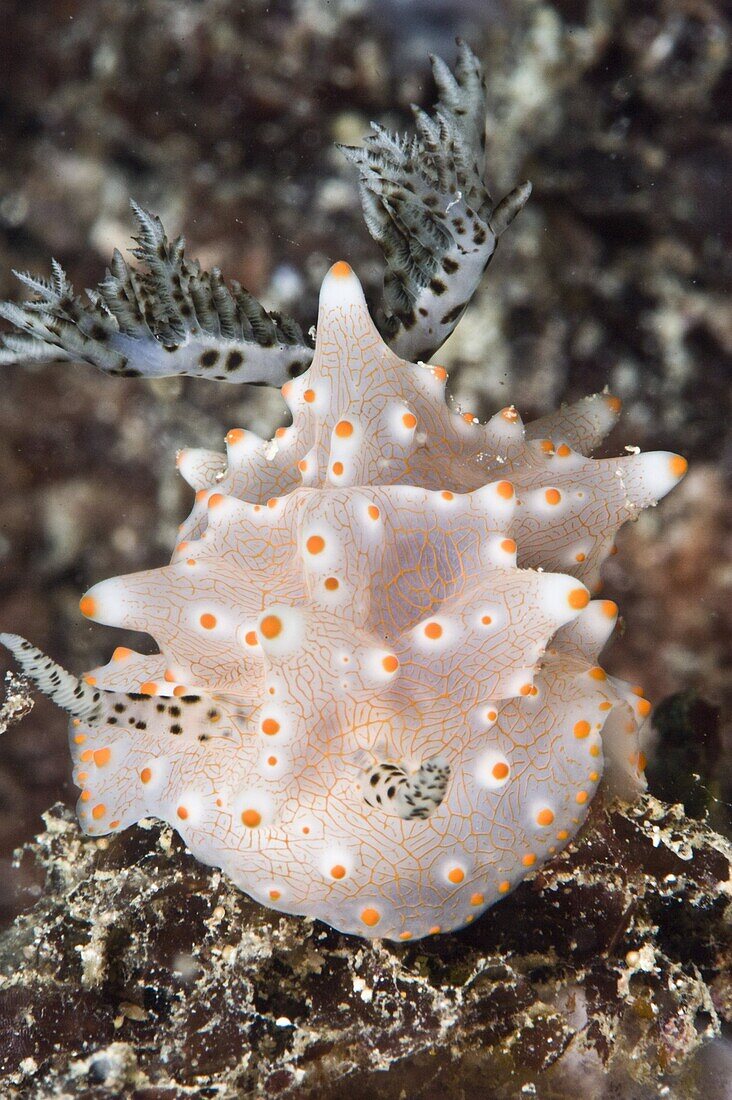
x,y
140,973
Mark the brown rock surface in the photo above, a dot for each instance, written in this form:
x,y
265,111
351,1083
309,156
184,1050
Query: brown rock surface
x,y
139,972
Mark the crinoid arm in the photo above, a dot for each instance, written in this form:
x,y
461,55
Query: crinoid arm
x,y
426,202
169,318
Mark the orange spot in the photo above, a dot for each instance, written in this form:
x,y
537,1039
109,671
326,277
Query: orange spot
x,y
235,435
486,620
456,874
148,688
447,495
613,549
344,428
500,770
85,796
82,777
547,446
509,414
80,738
594,750
598,673
88,606
331,583
433,630
275,895
114,824
91,680
341,270
87,755
338,870
302,465
469,418
405,935
440,373
251,818
280,432
373,511
180,690
337,468
370,917
581,797
544,817
121,652
145,775
492,715
270,726
214,500
251,637
182,813
639,760
315,544
534,690
562,834
505,489
207,621
552,496
102,757
390,663
306,829
504,887
580,556
201,494
578,598
99,811
613,403
529,859
434,930
606,706
309,396
190,561
643,707
509,546
678,465
609,608
563,450
409,420
581,729
272,502
525,689
477,899
271,626
271,760
638,690
593,777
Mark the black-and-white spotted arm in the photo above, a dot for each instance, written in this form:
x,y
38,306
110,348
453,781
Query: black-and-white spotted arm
x,y
390,788
170,318
426,202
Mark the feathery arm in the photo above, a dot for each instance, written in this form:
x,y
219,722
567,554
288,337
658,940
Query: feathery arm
x,y
172,318
426,203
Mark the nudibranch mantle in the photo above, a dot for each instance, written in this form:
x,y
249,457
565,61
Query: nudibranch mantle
x,y
377,700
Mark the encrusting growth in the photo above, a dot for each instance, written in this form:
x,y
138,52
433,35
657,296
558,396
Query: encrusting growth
x,y
377,698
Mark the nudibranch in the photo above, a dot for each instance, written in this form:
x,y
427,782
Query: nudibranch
x,y
378,699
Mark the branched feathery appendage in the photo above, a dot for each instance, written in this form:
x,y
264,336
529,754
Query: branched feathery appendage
x,y
426,203
172,318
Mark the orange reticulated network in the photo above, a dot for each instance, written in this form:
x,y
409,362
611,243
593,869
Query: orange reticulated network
x,y
378,698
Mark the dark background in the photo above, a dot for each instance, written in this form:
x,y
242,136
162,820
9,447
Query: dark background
x,y
221,117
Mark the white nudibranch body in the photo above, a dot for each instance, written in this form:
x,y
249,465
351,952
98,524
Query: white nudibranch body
x,y
377,700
